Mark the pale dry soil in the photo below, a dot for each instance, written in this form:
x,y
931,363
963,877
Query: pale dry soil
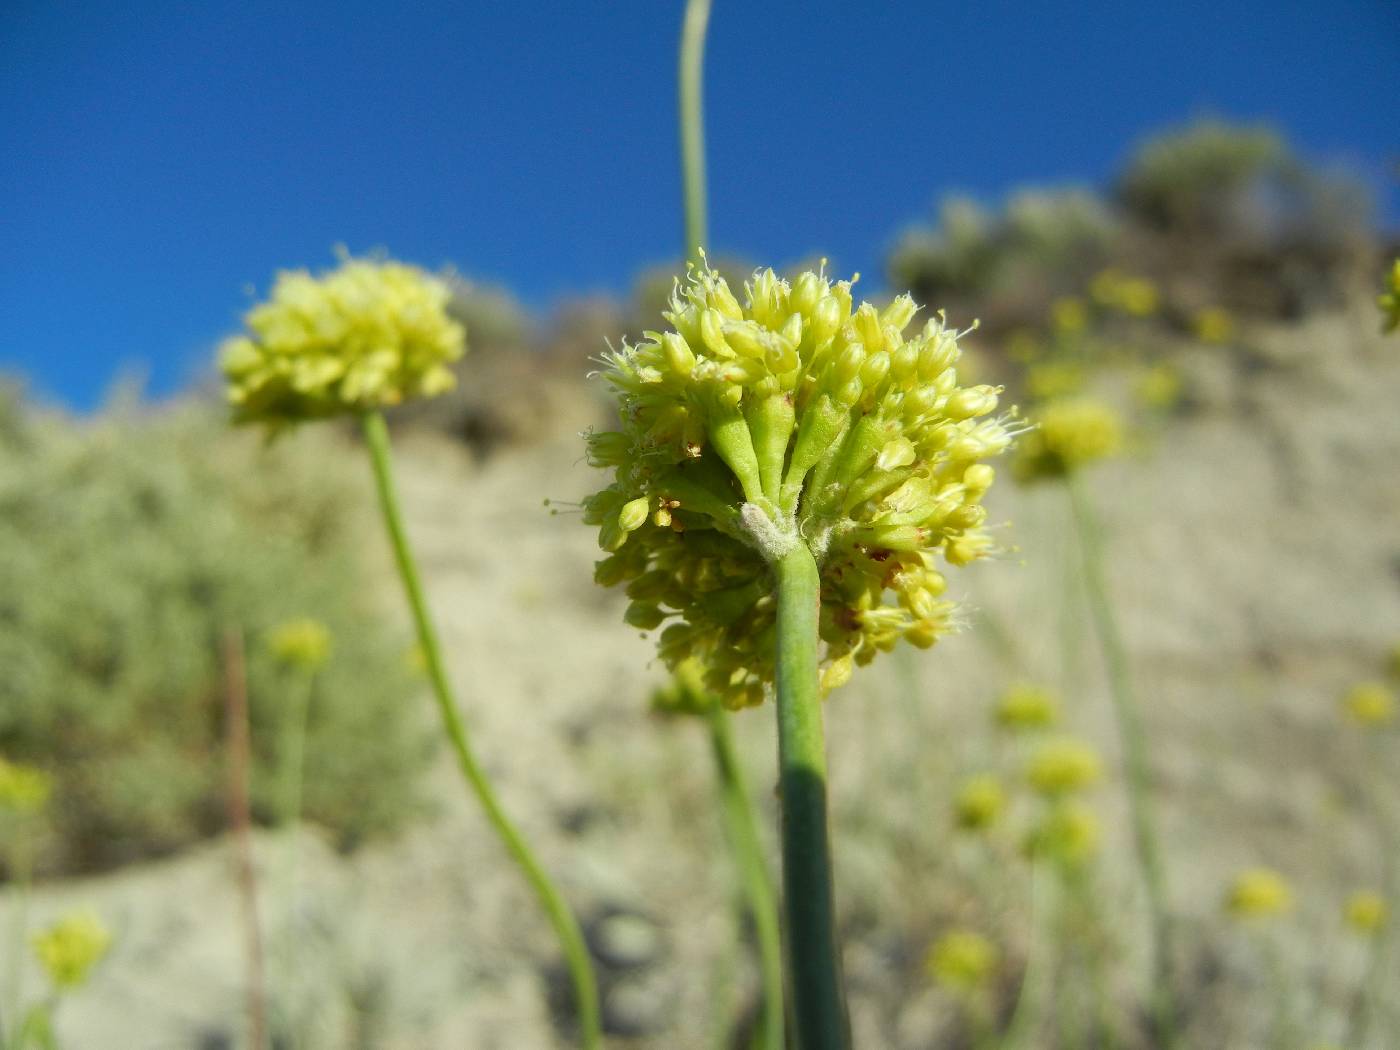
x,y
1255,563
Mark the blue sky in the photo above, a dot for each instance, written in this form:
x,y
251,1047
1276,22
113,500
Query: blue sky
x,y
161,159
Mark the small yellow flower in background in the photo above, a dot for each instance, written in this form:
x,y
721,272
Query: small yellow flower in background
x,y
1027,707
962,960
304,643
1366,912
794,416
1159,387
1023,347
1050,380
23,789
979,802
1370,704
1258,893
1115,290
1069,435
1068,834
684,694
71,947
1063,766
1213,325
1069,316
1389,301
365,336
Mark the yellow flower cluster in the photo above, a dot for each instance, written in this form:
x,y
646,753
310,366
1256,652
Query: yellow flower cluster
x,y
1370,704
792,416
1115,290
1159,386
979,802
1213,325
1069,316
23,789
1389,301
1366,912
1068,834
962,960
1062,767
1258,893
1051,380
71,947
1027,707
1069,434
684,694
303,643
365,336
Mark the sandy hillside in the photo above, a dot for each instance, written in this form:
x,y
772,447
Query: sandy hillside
x,y
1256,562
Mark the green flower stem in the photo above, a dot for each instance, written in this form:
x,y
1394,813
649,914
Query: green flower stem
x,y
753,873
566,927
293,776
1134,743
21,872
692,61
814,964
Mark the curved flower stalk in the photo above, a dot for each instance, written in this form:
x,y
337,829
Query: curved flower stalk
x,y
1071,435
364,337
790,472
685,696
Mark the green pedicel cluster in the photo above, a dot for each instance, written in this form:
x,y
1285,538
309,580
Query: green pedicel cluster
x,y
792,417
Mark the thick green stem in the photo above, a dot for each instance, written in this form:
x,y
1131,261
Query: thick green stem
x,y
566,927
692,61
1134,745
744,839
814,962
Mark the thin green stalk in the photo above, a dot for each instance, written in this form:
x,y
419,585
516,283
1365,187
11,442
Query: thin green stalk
x,y
566,927
21,870
814,962
292,776
753,873
692,61
1134,745
1025,1023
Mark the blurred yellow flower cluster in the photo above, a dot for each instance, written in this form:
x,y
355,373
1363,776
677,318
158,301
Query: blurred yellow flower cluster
x,y
23,789
1069,316
1069,434
1213,325
1067,834
1115,290
1062,767
302,643
962,960
792,416
1027,707
1366,912
1389,301
684,694
1370,704
1159,386
71,947
1258,893
365,336
979,802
